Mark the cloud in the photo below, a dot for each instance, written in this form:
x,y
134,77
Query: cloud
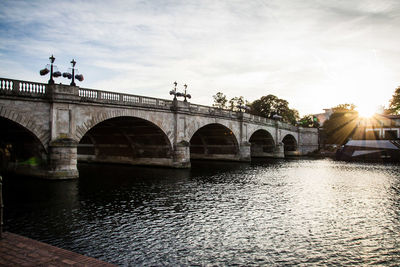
x,y
311,53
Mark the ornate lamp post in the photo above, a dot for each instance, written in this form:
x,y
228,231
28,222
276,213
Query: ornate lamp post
x,y
174,92
178,94
277,117
52,74
72,76
242,108
185,95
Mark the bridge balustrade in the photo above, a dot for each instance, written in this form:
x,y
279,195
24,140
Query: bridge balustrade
x,y
122,99
17,87
109,96
213,111
33,89
131,98
287,126
88,93
149,101
200,109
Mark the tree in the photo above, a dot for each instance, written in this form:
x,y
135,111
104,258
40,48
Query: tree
x,y
270,105
344,108
309,121
394,105
265,106
342,124
219,100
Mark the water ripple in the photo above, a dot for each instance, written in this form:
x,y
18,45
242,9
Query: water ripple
x,y
302,212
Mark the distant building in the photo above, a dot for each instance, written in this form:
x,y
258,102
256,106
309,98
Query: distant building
x,y
376,138
322,117
379,127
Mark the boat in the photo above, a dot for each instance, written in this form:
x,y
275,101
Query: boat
x,y
370,150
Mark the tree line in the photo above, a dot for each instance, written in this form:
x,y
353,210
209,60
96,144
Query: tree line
x,y
269,106
341,125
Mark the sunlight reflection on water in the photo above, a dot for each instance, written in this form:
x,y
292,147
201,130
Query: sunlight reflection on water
x,y
269,212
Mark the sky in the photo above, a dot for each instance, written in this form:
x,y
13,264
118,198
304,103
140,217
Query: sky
x,y
315,54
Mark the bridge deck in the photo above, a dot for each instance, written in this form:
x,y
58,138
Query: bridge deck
x,y
16,250
18,88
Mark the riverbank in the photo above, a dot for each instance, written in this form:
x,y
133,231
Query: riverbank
x,y
16,250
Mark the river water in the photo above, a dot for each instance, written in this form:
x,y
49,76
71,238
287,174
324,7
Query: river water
x,y
280,212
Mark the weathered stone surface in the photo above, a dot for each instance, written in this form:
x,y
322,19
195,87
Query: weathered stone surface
x,y
245,151
63,159
64,115
309,138
181,158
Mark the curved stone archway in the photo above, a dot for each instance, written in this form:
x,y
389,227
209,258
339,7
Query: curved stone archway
x,y
20,148
214,141
262,144
195,125
27,123
127,140
157,119
290,145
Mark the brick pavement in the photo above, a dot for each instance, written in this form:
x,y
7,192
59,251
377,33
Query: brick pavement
x,y
16,250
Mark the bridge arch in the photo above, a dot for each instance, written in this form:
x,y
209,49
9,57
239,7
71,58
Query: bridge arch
x,y
27,123
214,141
19,147
126,139
195,125
262,143
290,145
164,124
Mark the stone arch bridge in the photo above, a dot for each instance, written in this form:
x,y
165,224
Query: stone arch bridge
x,y
47,129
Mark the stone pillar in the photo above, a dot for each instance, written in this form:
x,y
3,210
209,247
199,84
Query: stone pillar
x,y
181,157
279,151
245,151
63,159
63,92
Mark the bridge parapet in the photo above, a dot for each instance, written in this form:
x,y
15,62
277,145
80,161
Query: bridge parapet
x,y
287,126
207,110
22,88
91,95
257,119
40,90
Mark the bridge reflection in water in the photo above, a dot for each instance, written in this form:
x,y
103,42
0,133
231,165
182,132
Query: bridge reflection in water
x,y
275,212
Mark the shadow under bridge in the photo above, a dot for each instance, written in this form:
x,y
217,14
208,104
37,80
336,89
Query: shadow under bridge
x,y
128,140
262,144
214,142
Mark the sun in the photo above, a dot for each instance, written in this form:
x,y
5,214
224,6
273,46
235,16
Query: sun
x,y
366,111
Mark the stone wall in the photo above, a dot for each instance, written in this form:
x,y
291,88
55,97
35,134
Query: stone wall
x,y
309,138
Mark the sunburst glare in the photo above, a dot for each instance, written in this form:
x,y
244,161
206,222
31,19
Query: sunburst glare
x,y
366,111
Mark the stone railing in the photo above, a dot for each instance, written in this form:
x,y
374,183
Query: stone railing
x,y
258,119
122,99
235,114
24,88
269,122
213,111
34,89
287,126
